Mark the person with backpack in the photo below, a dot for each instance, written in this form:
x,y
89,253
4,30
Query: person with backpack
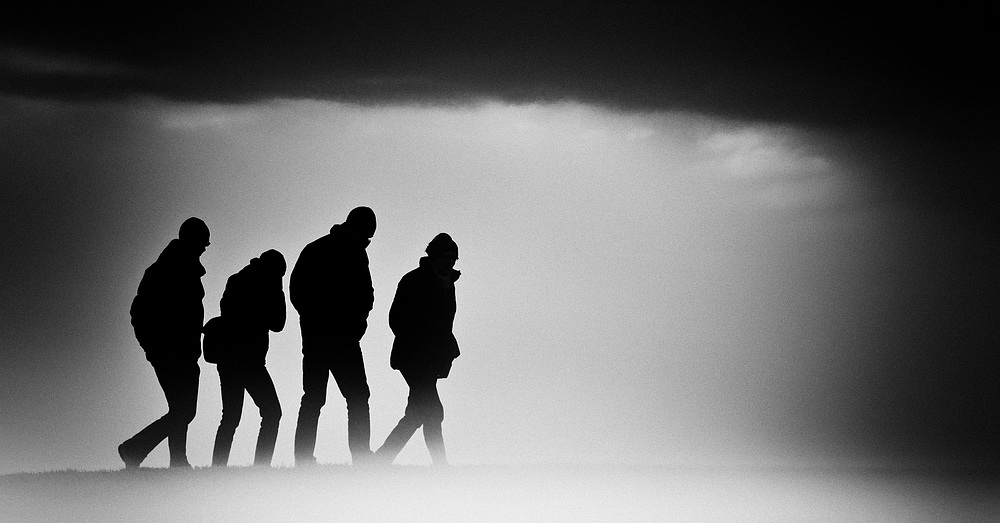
x,y
237,342
167,315
421,317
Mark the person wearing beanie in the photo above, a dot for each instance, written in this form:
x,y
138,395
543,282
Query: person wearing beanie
x,y
331,288
421,317
252,304
167,316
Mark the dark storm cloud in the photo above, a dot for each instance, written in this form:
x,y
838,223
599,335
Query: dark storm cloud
x,y
839,65
914,80
918,74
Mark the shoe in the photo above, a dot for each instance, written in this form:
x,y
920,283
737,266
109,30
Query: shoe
x,y
131,459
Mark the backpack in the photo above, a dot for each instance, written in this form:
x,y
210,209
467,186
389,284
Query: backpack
x,y
216,339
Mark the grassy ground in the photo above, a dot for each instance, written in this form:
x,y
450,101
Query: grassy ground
x,y
499,493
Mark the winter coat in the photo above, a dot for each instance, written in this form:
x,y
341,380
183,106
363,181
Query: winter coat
x,y
421,317
252,304
167,312
331,286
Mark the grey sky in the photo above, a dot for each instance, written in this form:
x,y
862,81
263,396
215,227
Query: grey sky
x,y
659,287
681,240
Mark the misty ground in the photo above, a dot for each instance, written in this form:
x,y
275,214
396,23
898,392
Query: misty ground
x,y
500,493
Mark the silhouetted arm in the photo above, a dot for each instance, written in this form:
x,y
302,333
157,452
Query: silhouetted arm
x,y
229,303
404,313
366,291
276,319
301,283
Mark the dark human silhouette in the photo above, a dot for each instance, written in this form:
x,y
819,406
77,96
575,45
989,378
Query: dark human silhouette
x,y
421,317
252,304
331,288
167,315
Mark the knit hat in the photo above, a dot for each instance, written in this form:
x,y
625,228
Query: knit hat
x,y
194,230
273,258
441,244
362,219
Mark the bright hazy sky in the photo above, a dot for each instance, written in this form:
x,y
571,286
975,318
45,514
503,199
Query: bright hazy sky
x,y
689,233
638,287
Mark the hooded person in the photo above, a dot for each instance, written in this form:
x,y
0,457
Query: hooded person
x,y
421,318
253,303
331,289
167,316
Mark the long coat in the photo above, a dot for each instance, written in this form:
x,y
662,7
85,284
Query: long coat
x,y
331,286
421,317
252,304
167,311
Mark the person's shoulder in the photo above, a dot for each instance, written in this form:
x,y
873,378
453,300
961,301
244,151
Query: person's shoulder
x,y
238,277
337,233
418,272
170,254
166,263
414,276
314,247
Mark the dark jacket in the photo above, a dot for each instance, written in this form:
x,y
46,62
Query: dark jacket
x,y
421,317
331,286
252,304
167,312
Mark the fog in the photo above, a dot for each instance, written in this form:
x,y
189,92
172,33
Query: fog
x,y
650,287
497,493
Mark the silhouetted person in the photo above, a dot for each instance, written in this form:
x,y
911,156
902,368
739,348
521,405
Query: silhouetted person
x,y
167,316
421,317
252,304
331,288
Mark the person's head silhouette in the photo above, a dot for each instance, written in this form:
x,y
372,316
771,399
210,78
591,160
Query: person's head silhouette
x,y
362,221
273,261
443,252
194,233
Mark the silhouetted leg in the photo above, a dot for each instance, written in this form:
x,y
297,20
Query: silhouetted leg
x,y
435,443
232,381
397,439
261,389
185,402
349,371
315,374
427,407
434,412
177,445
180,386
404,430
423,407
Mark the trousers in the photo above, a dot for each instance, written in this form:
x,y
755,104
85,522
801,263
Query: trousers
x,y
256,381
347,366
179,382
423,408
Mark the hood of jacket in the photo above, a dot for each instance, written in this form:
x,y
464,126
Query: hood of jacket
x,y
425,263
175,254
346,234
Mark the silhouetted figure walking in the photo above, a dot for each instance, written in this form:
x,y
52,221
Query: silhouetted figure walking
x,y
167,316
252,304
331,288
421,317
